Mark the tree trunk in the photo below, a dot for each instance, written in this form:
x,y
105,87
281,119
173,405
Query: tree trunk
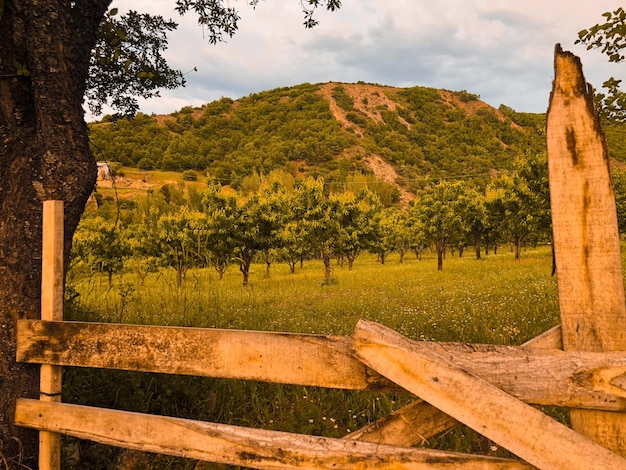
x,y
220,267
44,154
441,249
325,254
179,276
244,267
327,269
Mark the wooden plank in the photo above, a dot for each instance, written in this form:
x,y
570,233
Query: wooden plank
x,y
234,445
544,377
51,309
410,425
313,360
497,415
551,339
586,239
52,261
419,421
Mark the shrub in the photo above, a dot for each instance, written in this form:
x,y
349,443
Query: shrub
x,y
190,175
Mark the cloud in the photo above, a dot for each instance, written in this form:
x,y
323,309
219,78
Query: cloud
x,y
502,50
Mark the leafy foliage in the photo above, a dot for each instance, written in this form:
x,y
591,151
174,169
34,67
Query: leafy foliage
x,y
127,62
438,207
609,37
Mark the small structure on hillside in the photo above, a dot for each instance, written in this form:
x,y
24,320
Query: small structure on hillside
x,y
104,171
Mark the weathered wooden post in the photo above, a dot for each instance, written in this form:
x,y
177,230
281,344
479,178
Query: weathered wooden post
x,y
586,239
51,309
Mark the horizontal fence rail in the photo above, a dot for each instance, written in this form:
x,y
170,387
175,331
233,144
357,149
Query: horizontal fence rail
x,y
236,445
288,358
536,376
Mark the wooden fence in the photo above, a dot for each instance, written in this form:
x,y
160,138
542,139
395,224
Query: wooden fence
x,y
489,388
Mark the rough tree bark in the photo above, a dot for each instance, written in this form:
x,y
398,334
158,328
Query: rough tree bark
x,y
44,154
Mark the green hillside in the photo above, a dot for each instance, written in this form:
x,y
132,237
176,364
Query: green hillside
x,y
399,135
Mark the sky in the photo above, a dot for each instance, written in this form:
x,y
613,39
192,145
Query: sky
x,y
501,50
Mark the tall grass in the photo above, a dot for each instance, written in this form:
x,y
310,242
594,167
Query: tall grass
x,y
494,300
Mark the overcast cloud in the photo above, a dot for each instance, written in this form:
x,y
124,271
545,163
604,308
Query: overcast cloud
x,y
501,50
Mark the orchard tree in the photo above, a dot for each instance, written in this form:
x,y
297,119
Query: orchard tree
x,y
53,55
292,248
471,203
385,239
217,242
101,246
172,239
404,236
258,222
531,173
495,212
519,204
355,215
437,207
319,228
517,219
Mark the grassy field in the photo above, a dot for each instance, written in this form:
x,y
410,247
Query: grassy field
x,y
493,300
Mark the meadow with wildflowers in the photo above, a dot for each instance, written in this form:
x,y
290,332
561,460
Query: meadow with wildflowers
x,y
496,300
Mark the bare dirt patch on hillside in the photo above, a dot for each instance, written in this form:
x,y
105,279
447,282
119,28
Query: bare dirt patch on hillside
x,y
368,99
385,172
471,107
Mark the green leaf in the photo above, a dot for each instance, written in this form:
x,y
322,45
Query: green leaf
x,y
20,69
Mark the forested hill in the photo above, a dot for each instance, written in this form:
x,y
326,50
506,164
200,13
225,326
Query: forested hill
x,y
399,135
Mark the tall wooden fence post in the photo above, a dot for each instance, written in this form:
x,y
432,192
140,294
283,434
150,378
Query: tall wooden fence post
x,y
586,239
51,309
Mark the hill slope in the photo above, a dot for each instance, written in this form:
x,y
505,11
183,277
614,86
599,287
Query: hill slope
x,y
401,135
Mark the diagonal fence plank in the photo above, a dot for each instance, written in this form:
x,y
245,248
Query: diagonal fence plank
x,y
488,410
234,445
417,422
410,425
